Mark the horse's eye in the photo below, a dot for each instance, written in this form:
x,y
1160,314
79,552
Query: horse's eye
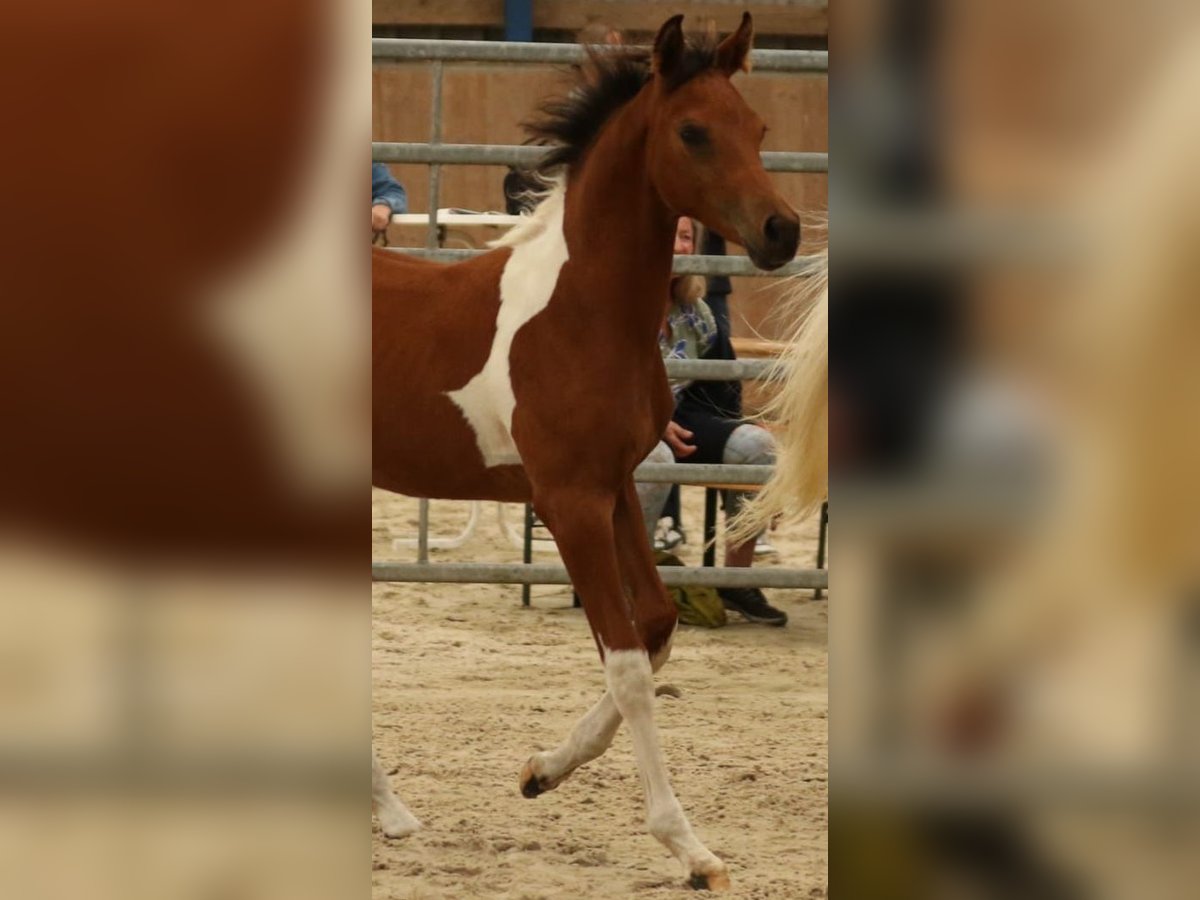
x,y
693,135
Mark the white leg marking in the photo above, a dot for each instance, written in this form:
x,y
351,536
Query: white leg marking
x,y
528,281
590,737
394,817
631,684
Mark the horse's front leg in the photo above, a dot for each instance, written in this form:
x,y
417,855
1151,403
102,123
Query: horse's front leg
x,y
655,618
394,817
590,737
586,529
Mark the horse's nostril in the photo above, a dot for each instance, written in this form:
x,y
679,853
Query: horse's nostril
x,y
778,230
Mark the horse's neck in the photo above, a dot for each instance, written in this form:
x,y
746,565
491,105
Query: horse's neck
x,y
614,215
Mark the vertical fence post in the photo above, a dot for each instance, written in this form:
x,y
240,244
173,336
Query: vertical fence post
x,y
710,526
518,20
822,537
435,170
527,555
423,531
431,243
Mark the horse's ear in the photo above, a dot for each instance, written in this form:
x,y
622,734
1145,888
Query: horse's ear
x,y
733,53
668,46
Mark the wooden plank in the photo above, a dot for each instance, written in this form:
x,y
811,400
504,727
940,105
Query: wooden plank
x,y
757,347
626,15
473,13
648,16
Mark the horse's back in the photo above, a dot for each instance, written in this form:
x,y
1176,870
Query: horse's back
x,y
439,316
406,275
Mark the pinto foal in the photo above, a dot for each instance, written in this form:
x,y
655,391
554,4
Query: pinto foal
x,y
532,373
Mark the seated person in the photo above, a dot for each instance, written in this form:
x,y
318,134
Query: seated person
x,y
700,433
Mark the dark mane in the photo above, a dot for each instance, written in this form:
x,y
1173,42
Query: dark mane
x,y
606,81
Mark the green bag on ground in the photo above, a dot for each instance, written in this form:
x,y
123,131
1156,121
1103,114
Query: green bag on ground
x,y
697,605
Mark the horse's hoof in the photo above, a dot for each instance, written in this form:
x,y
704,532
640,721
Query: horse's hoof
x,y
400,829
531,785
709,881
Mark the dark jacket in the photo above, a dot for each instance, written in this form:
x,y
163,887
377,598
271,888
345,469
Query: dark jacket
x,y
712,409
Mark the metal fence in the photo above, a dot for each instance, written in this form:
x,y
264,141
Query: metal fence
x,y
407,50
682,265
519,155
435,154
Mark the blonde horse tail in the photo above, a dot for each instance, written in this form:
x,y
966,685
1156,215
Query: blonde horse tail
x,y
799,412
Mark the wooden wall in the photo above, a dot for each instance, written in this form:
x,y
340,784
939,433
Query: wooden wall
x,y
794,17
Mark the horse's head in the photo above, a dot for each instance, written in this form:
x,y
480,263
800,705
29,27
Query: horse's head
x,y
704,143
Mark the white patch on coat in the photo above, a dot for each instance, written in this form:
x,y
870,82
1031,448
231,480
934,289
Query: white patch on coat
x,y
530,275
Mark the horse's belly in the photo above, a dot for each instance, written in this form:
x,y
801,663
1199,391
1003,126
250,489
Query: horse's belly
x,y
424,447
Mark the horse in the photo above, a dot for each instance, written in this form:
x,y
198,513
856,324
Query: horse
x,y
532,372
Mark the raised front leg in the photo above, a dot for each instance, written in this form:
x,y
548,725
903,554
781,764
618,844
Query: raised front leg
x,y
655,617
394,817
586,529
590,737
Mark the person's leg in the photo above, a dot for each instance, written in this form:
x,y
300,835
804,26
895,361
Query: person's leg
x,y
653,495
748,445
672,510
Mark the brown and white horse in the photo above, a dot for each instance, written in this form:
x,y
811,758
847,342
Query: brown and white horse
x,y
533,371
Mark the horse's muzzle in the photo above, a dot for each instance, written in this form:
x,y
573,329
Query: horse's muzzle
x,y
776,243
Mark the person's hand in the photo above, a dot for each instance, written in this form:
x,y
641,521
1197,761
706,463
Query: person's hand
x,y
677,438
381,217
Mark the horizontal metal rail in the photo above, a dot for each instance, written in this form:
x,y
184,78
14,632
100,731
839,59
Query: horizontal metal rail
x,y
520,573
682,265
741,265
520,155
701,473
721,369
415,50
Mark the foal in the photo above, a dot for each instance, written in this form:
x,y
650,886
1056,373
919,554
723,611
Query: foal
x,y
533,372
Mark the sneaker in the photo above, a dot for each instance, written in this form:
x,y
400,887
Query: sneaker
x,y
667,537
763,547
752,604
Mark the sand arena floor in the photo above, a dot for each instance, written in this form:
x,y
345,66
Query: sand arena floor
x,y
467,684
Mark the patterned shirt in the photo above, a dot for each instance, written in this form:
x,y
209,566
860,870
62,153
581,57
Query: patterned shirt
x,y
690,332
